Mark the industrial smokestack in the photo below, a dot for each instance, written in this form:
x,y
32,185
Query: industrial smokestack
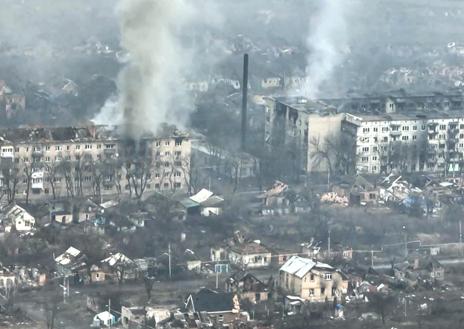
x,y
244,103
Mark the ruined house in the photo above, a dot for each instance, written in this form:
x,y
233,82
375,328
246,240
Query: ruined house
x,y
311,280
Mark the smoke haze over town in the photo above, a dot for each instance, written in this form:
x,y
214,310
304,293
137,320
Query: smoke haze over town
x,y
239,164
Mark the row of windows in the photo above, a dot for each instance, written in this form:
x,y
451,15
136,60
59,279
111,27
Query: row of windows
x,y
404,128
168,143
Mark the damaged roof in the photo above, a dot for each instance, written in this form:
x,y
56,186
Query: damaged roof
x,y
300,266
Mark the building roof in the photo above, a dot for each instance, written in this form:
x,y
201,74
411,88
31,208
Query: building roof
x,y
407,116
304,104
68,256
300,266
116,259
207,300
250,248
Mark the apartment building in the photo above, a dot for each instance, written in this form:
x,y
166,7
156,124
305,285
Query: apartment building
x,y
430,141
90,161
294,126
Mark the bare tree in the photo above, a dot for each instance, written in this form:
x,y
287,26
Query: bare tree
x,y
10,181
54,170
27,171
67,170
382,304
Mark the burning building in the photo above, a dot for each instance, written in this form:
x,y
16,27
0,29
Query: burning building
x,y
90,161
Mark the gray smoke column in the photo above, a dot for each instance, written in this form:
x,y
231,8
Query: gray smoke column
x,y
327,43
150,85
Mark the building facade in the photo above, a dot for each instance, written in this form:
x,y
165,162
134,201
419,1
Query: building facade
x,y
90,161
295,127
311,280
425,142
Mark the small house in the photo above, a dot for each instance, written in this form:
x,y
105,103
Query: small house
x,y
248,287
19,219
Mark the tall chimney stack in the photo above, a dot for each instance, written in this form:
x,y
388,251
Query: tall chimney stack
x,y
244,103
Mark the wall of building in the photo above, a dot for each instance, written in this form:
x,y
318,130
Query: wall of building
x,y
84,167
423,144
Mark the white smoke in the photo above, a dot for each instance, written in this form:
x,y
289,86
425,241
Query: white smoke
x,y
327,44
151,84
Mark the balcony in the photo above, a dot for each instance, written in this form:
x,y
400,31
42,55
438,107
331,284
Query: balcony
x,y
395,132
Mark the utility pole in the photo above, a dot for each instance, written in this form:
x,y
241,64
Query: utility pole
x,y
460,236
372,258
109,308
217,280
405,242
169,259
328,245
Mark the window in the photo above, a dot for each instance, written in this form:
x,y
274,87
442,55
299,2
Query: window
x,y
414,137
177,174
17,149
423,127
99,146
47,159
26,160
167,143
179,185
365,159
384,129
365,130
375,129
157,143
311,277
442,127
374,158
166,164
178,164
322,291
47,148
78,147
68,147
311,292
405,128
157,186
365,149
328,276
178,142
385,139
414,127
166,185
58,148
167,153
404,138
178,153
88,146
157,175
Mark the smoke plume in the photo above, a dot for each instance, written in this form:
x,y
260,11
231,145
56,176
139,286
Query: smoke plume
x,y
327,44
150,85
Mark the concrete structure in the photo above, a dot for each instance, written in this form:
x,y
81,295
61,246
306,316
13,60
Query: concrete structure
x,y
311,280
429,141
294,126
90,161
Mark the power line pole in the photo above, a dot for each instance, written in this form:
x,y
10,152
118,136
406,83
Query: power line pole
x,y
109,309
169,259
460,236
328,245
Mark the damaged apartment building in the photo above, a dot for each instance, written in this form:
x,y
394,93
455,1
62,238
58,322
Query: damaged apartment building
x,y
424,134
296,125
90,161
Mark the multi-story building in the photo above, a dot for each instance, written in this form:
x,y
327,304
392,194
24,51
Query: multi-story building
x,y
296,126
90,161
312,280
427,141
